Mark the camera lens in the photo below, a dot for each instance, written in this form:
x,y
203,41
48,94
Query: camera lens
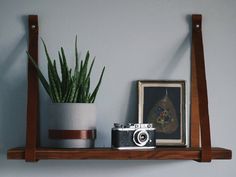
x,y
140,137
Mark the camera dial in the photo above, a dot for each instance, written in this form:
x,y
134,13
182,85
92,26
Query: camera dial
x,y
140,137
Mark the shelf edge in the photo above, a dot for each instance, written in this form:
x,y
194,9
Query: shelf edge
x,y
111,154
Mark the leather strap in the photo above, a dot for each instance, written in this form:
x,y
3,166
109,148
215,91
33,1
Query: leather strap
x,y
72,134
32,127
201,88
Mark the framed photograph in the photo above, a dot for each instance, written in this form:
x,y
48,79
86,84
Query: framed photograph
x,y
162,103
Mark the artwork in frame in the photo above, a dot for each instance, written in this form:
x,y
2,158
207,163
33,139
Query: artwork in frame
x,y
162,103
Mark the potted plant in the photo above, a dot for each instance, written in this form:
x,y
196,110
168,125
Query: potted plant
x,y
72,113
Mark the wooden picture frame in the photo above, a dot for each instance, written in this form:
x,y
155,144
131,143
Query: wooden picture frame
x,y
162,103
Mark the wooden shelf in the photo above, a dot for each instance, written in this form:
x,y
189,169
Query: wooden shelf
x,y
200,146
113,154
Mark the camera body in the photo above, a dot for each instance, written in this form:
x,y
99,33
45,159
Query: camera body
x,y
133,136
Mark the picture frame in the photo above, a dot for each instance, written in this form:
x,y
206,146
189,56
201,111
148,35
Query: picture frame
x,y
162,103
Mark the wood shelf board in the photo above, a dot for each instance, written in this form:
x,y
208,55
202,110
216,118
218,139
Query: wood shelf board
x,y
113,154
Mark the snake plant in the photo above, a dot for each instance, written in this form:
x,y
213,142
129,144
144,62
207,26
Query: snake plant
x,y
72,86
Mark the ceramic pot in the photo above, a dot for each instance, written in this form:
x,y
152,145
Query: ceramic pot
x,y
72,125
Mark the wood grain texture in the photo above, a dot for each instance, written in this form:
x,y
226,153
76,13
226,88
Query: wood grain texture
x,y
32,134
113,154
201,88
195,121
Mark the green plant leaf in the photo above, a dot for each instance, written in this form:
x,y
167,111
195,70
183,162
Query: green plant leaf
x,y
70,87
83,72
64,73
40,75
57,79
94,94
87,88
53,85
46,52
53,75
90,69
76,56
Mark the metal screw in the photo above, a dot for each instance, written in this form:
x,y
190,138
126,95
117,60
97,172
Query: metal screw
x,y
33,26
197,26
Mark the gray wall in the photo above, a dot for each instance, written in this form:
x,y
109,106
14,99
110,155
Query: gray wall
x,y
135,40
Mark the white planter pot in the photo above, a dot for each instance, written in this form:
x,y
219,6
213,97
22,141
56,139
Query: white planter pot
x,y
70,117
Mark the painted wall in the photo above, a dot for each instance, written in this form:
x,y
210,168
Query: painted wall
x,y
135,40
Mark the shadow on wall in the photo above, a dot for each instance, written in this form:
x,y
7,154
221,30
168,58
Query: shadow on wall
x,y
13,96
179,52
173,62
132,111
164,72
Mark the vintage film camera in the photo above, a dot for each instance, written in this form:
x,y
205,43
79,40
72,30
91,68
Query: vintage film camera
x,y
133,136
